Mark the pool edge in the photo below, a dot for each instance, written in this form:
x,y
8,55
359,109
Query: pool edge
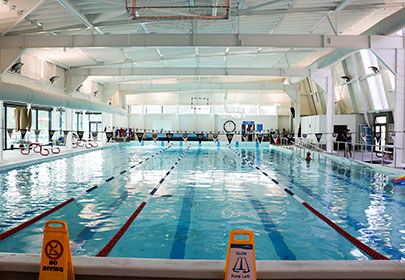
x,y
27,267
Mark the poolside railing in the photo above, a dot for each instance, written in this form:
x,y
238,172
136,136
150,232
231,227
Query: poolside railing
x,y
368,152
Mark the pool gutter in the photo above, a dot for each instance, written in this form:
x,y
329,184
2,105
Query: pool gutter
x,y
26,266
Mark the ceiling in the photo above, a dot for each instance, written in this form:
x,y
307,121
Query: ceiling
x,y
81,17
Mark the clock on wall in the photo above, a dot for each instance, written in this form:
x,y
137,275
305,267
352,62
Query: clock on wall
x,y
229,126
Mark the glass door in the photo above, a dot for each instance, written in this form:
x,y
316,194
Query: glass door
x,y
380,128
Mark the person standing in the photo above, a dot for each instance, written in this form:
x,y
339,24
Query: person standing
x,y
348,146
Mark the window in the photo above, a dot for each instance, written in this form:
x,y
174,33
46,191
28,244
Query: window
x,y
202,109
268,110
136,109
43,125
219,110
375,84
78,121
153,109
170,109
250,109
185,110
95,123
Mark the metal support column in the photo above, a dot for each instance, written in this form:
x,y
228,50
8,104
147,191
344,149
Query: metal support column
x,y
400,107
2,126
69,127
330,112
297,113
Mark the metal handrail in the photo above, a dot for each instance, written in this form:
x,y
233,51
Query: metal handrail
x,y
361,147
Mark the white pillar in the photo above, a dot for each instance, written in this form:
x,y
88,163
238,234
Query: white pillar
x,y
2,126
330,111
297,112
69,127
289,118
400,106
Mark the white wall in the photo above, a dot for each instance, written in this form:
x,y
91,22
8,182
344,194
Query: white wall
x,y
197,122
317,124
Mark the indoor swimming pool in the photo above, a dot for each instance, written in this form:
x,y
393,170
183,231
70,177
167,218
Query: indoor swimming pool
x,y
209,192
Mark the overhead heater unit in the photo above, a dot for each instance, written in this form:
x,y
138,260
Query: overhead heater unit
x,y
152,10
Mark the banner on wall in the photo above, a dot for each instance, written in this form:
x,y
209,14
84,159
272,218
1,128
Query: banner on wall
x,y
260,137
334,136
94,135
318,137
80,134
185,137
23,132
154,137
109,135
169,136
215,137
37,132
139,135
10,132
51,133
229,136
200,137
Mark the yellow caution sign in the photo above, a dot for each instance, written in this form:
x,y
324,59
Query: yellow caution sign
x,y
240,260
56,259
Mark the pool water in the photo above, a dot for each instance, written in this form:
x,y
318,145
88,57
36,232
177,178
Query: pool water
x,y
210,192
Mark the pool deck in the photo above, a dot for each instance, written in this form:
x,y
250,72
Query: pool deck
x,y
26,266
14,159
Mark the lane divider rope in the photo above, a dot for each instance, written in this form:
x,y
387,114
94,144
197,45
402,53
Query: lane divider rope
x,y
110,245
16,229
369,251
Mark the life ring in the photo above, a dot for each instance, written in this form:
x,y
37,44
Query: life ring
x,y
94,144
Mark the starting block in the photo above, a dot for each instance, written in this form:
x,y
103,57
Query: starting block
x,y
56,258
240,259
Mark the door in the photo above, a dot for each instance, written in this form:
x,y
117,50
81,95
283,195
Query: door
x,y
380,128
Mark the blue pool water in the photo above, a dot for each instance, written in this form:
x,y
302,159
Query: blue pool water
x,y
209,193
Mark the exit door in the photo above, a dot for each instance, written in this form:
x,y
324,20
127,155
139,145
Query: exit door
x,y
380,128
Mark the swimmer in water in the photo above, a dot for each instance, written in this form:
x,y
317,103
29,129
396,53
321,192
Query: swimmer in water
x,y
308,158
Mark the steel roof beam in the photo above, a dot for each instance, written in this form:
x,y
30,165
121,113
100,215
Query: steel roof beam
x,y
205,40
204,86
180,71
76,13
248,9
343,5
22,17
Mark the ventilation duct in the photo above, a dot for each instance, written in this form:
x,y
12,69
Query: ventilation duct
x,y
10,92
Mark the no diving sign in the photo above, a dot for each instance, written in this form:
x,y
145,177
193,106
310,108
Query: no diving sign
x,y
53,249
240,261
56,259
